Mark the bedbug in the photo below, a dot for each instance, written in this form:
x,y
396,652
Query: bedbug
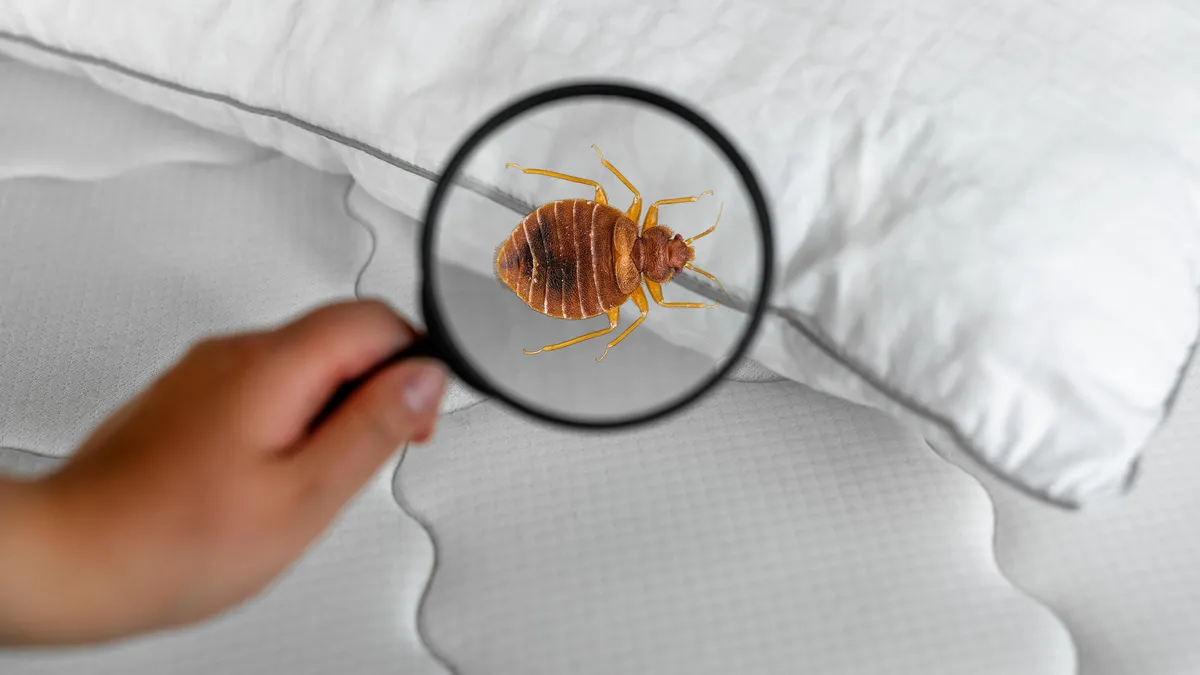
x,y
579,258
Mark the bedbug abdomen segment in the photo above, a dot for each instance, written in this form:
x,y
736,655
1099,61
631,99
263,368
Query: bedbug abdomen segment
x,y
560,259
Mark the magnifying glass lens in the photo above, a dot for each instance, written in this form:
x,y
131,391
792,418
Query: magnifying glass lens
x,y
596,259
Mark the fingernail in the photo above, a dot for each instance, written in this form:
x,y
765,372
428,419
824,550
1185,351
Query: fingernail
x,y
423,387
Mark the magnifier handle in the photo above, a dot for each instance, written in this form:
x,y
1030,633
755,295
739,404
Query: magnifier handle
x,y
422,346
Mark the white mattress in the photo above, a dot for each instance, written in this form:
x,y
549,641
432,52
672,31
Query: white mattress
x,y
769,530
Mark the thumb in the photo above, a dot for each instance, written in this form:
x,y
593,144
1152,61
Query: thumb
x,y
397,405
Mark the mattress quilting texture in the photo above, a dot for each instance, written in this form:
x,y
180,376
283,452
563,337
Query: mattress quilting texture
x,y
770,529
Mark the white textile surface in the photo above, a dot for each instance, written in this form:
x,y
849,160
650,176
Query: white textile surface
x,y
985,211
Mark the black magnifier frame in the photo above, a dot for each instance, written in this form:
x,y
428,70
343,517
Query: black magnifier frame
x,y
434,342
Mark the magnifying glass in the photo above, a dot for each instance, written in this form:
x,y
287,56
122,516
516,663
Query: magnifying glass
x,y
594,255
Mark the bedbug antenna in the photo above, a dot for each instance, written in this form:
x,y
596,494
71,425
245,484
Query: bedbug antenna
x,y
720,210
697,270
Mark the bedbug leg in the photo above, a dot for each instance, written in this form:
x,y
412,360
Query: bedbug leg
x,y
656,293
635,209
652,212
614,315
601,197
639,299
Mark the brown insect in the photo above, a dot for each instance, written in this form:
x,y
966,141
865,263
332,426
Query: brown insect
x,y
580,258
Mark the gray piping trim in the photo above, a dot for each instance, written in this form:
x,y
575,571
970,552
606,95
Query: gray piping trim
x,y
504,199
43,463
495,194
40,454
421,628
1184,369
371,235
422,631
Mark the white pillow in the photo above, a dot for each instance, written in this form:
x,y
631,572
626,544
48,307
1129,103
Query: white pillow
x,y
986,219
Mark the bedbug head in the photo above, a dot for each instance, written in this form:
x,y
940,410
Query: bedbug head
x,y
667,253
660,254
679,253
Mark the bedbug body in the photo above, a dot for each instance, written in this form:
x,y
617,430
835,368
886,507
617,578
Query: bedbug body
x,y
581,258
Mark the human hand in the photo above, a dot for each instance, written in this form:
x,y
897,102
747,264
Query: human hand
x,y
201,490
